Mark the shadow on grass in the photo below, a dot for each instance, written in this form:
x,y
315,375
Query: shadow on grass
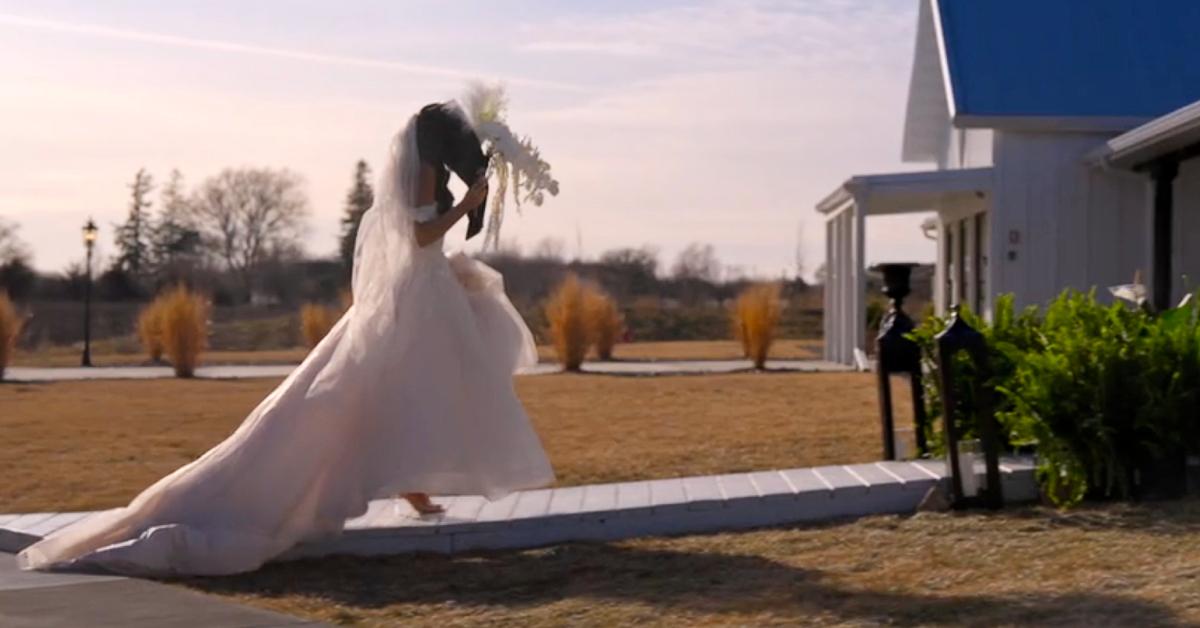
x,y
1169,517
697,583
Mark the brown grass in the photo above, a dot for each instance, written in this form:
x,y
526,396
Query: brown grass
x,y
755,316
604,322
315,322
566,312
150,329
10,328
184,328
1111,566
87,445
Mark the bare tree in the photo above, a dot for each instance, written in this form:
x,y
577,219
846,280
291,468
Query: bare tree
x,y
645,259
246,215
12,249
698,261
552,249
16,275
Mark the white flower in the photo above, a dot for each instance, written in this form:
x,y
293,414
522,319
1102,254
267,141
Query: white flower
x,y
510,156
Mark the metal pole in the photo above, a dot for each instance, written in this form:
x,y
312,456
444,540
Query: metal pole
x,y
885,403
920,419
87,310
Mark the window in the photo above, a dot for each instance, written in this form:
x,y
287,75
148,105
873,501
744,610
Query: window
x,y
948,287
980,262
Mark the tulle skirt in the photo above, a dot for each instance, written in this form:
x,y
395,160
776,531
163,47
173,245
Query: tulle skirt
x,y
432,410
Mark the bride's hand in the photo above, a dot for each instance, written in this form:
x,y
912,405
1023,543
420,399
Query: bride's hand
x,y
476,194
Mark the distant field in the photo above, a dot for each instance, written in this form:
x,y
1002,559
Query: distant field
x,y
111,354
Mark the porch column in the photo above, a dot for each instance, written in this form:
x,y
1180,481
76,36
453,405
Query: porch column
x,y
858,311
1163,173
828,291
849,279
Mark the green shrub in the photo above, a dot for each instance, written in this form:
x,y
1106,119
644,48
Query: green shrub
x,y
1106,393
1009,336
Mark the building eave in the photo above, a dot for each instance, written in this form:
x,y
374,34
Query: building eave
x,y
1173,132
1055,124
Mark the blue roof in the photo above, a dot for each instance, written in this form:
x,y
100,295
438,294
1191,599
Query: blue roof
x,y
1072,58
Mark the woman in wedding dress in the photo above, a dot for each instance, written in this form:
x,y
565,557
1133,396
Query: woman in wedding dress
x,y
410,394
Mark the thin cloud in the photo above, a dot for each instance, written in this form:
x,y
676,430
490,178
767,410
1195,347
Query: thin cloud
x,y
96,30
614,48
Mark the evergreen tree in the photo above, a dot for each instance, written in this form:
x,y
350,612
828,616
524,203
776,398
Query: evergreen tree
x,y
174,239
132,238
358,201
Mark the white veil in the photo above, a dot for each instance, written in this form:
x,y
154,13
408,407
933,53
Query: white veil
x,y
384,246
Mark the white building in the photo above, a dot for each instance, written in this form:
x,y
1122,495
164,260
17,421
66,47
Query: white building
x,y
1063,148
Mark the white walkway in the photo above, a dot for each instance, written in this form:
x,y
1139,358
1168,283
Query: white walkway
x,y
673,367
605,512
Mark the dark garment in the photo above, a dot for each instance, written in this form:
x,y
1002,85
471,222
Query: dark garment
x,y
446,142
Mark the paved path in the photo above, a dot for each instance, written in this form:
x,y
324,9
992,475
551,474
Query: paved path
x,y
601,512
671,367
38,600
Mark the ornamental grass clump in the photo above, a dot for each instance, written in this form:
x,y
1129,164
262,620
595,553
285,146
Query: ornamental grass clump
x,y
10,328
184,328
604,321
150,329
755,318
566,312
315,322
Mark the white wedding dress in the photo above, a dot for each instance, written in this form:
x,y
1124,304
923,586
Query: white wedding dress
x,y
411,391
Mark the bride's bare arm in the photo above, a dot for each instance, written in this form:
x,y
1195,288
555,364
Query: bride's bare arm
x,y
429,232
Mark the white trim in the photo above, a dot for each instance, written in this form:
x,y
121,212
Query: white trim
x,y
835,200
1176,130
940,36
862,188
1061,124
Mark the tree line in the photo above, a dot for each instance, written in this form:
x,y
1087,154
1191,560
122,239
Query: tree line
x,y
238,236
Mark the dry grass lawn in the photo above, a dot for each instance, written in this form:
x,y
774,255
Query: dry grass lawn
x,y
105,353
69,356
95,444
1112,566
87,445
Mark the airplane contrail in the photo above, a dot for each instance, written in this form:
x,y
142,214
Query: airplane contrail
x,y
96,30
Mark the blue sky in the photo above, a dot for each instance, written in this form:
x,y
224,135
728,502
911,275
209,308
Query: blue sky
x,y
666,123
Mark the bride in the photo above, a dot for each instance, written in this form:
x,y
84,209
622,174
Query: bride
x,y
410,394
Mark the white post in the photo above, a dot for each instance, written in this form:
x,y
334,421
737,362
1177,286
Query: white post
x,y
859,285
838,271
827,289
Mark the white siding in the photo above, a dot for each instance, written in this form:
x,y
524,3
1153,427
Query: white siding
x,y
927,119
1060,223
967,148
1186,236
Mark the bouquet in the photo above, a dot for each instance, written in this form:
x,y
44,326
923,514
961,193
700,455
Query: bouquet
x,y
514,160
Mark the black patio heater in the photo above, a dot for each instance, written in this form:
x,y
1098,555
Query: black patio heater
x,y
896,354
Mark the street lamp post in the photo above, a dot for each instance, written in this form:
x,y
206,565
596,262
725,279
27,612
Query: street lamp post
x,y
89,240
